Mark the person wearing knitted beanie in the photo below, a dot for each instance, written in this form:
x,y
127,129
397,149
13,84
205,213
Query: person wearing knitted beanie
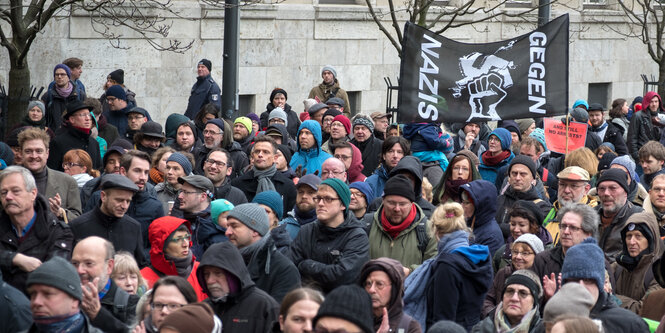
x,y
271,271
192,318
497,154
351,306
273,204
340,188
571,299
243,133
219,211
278,116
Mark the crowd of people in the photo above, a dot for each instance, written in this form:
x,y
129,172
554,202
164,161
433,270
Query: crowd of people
x,y
320,221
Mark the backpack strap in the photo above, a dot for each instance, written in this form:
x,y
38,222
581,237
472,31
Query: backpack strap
x,y
422,236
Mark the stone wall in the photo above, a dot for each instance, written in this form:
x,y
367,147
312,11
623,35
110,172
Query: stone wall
x,y
286,44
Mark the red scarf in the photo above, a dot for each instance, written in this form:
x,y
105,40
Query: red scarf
x,y
82,129
394,230
489,159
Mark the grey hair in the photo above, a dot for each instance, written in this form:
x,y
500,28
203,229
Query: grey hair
x,y
590,218
29,180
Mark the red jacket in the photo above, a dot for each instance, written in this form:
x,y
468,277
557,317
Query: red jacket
x,y
159,230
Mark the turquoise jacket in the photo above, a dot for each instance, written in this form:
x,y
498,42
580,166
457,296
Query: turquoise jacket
x,y
310,159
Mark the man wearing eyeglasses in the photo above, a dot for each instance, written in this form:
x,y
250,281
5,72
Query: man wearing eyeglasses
x,y
109,307
116,98
655,204
333,168
194,197
218,167
110,220
573,188
394,227
136,117
578,221
75,134
263,176
331,251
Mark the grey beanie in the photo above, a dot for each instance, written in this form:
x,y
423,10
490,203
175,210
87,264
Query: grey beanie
x,y
40,104
572,298
183,161
446,326
329,68
278,113
253,216
532,240
57,273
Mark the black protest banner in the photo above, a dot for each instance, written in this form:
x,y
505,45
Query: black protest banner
x,y
442,80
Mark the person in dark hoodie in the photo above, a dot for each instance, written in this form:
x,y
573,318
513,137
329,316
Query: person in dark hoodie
x,y
479,203
410,167
170,253
383,280
232,294
461,276
645,125
278,98
309,155
461,170
279,133
331,251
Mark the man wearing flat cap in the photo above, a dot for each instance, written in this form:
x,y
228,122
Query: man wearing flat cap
x,y
381,122
574,184
195,194
110,221
74,134
204,91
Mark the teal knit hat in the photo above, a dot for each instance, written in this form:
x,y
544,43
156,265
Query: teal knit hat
x,y
341,189
219,206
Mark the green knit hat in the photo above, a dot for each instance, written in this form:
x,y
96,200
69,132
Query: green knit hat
x,y
341,189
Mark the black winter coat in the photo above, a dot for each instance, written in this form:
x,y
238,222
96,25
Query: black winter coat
x,y
293,121
506,201
124,232
330,257
47,238
249,309
273,272
68,138
640,131
230,193
14,309
56,106
238,157
248,183
119,321
371,151
616,319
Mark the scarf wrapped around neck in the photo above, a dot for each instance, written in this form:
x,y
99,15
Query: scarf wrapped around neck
x,y
490,160
503,326
394,230
156,175
65,92
453,240
61,324
182,265
265,178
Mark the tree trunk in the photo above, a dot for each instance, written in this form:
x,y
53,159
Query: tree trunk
x,y
19,91
661,79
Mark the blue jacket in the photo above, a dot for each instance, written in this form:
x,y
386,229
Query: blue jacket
x,y
485,229
458,285
428,136
489,172
204,231
378,180
313,158
293,221
204,91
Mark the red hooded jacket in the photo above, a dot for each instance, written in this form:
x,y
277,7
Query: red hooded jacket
x,y
160,230
356,168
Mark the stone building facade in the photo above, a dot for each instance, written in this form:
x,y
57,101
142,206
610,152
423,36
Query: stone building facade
x,y
286,44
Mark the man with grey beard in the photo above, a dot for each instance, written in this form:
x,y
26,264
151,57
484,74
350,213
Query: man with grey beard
x,y
614,209
573,187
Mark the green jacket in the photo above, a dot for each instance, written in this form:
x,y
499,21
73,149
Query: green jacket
x,y
404,248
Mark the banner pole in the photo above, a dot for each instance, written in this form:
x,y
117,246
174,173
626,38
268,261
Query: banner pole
x,y
567,126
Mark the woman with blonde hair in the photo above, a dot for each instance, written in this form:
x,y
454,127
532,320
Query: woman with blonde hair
x,y
126,274
583,158
448,218
78,164
158,165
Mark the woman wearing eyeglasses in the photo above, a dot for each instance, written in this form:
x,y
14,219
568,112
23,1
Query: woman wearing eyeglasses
x,y
168,294
518,310
78,164
170,252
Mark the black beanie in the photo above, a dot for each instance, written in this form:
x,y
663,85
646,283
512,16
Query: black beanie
x,y
532,208
207,63
524,160
278,91
606,161
286,151
118,76
399,185
348,302
616,175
